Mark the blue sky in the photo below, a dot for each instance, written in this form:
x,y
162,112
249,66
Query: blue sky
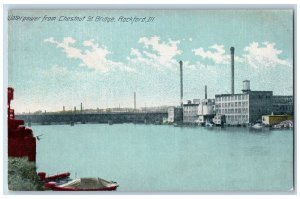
x,y
56,64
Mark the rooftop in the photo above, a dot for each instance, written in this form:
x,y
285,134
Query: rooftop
x,y
245,93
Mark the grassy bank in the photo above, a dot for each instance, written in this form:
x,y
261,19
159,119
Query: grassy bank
x,y
22,175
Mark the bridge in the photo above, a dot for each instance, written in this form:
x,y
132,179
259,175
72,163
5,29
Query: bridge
x,y
79,117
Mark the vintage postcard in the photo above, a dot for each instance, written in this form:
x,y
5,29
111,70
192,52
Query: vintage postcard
x,y
151,100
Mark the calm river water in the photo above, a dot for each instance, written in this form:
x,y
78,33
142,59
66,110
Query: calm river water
x,y
166,158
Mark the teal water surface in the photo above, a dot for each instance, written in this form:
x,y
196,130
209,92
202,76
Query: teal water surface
x,y
166,158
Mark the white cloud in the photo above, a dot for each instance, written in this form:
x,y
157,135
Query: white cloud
x,y
90,43
217,55
153,53
95,58
162,54
135,52
164,49
190,39
265,55
156,53
255,55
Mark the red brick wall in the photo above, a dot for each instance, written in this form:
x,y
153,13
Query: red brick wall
x,y
21,142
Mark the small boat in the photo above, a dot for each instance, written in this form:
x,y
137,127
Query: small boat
x,y
61,176
257,126
84,184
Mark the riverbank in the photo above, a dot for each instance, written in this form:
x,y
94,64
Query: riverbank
x,y
22,175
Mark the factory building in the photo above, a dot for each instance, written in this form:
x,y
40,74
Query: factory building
x,y
233,109
190,112
244,108
174,114
249,106
206,111
283,104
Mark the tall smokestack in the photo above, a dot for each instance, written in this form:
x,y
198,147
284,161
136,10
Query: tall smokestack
x,y
81,107
205,92
181,84
232,69
134,100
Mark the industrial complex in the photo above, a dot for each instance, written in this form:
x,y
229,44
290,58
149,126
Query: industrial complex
x,y
247,107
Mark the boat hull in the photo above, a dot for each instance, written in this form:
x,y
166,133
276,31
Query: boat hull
x,y
83,184
79,189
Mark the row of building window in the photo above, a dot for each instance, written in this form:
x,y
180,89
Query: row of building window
x,y
260,97
237,118
232,111
233,97
190,108
233,104
282,99
284,108
193,112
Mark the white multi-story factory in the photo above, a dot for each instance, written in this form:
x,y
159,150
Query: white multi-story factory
x,y
233,109
244,108
249,106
